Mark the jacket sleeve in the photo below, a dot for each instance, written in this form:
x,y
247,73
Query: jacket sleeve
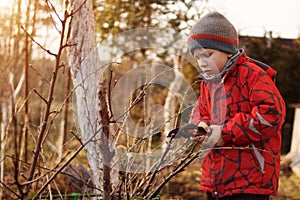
x,y
266,116
200,110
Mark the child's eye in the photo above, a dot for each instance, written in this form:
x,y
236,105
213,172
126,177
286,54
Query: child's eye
x,y
205,55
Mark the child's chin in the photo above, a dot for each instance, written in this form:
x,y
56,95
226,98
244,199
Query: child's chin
x,y
210,73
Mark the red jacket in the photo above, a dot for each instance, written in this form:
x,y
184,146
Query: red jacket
x,y
251,111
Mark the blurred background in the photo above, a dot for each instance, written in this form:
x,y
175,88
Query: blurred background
x,y
30,35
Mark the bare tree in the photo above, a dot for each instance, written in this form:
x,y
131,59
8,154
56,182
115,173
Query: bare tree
x,y
99,131
7,110
170,103
83,61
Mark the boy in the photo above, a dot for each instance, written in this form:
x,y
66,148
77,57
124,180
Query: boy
x,y
240,103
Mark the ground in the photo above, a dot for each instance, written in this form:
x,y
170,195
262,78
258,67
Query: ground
x,y
185,186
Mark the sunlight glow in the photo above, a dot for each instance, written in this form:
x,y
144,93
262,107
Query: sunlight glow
x,y
255,17
5,4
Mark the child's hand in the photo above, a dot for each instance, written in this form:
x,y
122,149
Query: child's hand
x,y
213,137
205,126
220,142
201,138
216,131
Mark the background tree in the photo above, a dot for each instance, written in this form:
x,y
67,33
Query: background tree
x,y
33,111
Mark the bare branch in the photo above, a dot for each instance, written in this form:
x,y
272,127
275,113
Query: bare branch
x,y
76,136
168,178
63,166
109,90
35,91
52,19
48,171
104,140
54,10
77,10
41,75
144,193
46,50
8,188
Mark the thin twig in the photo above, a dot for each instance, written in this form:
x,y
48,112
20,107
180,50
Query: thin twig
x,y
180,169
49,170
76,136
185,162
35,91
77,10
109,90
41,75
157,167
54,10
48,51
70,27
8,188
52,19
63,166
16,146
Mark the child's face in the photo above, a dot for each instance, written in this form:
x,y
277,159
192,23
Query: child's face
x,y
211,61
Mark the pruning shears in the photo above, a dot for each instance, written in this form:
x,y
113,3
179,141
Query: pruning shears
x,y
186,131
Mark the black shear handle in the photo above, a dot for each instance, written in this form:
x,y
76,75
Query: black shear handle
x,y
185,131
190,126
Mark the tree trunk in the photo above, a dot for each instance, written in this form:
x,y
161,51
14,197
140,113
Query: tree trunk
x,y
26,90
170,104
5,110
83,62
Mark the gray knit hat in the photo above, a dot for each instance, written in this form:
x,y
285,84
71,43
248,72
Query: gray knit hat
x,y
214,31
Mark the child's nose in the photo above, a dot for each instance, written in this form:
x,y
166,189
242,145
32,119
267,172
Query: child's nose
x,y
202,62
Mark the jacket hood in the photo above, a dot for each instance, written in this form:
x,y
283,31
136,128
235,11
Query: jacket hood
x,y
270,71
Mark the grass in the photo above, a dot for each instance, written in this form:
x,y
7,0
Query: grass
x,y
289,186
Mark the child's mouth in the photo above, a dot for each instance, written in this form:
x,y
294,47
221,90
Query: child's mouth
x,y
209,72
